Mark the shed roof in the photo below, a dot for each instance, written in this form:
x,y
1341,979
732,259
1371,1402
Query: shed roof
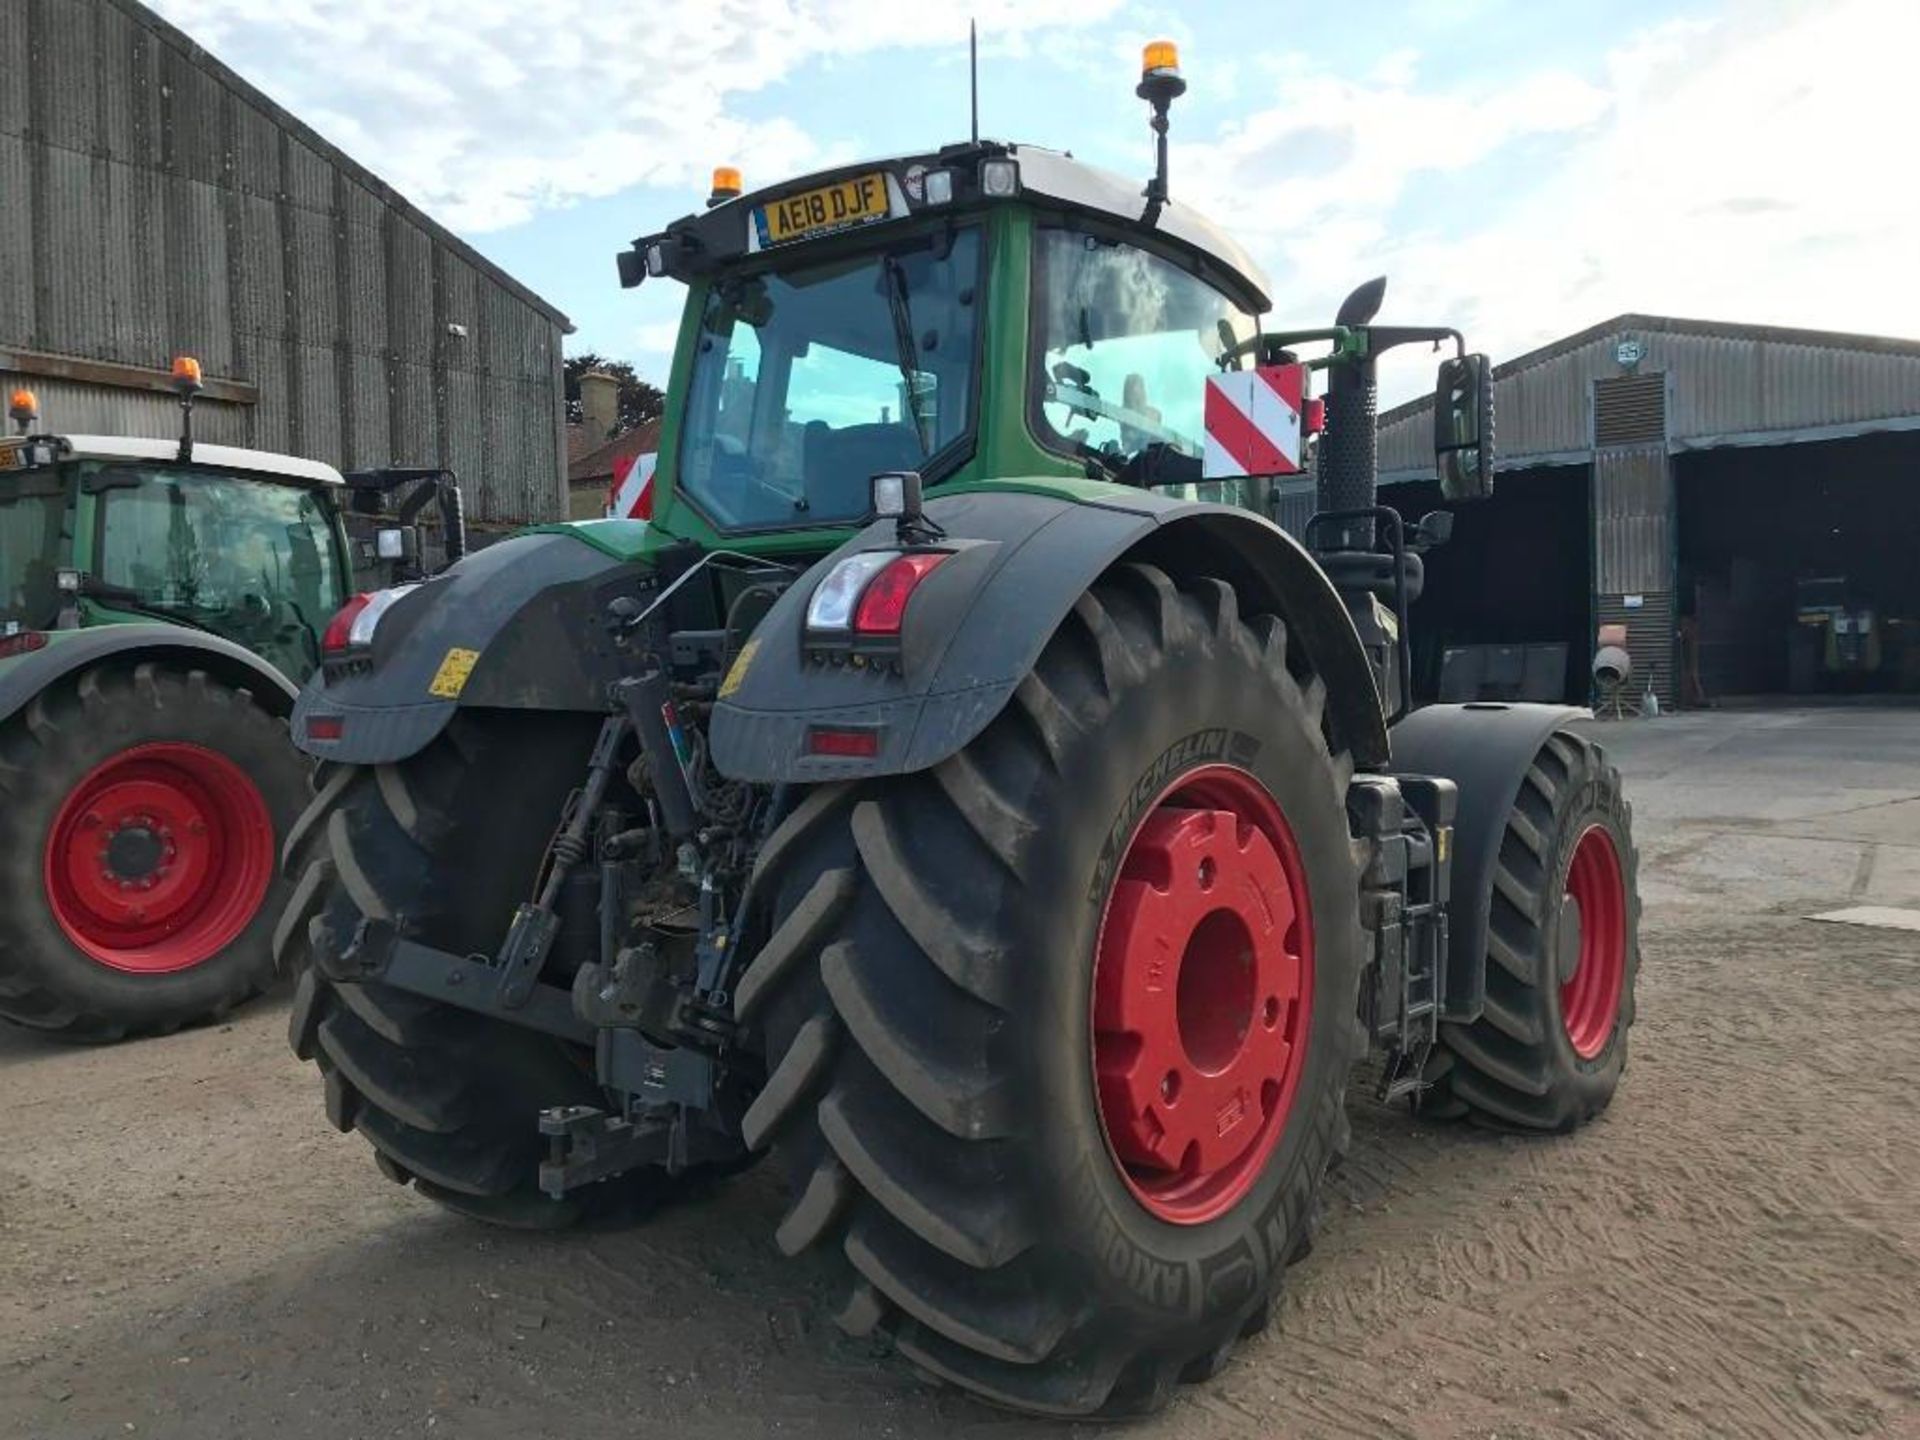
x,y
1729,383
385,193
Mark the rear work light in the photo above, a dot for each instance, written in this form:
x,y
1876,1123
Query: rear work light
x,y
867,594
353,624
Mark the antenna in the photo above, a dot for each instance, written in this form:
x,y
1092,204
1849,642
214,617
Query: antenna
x,y
973,75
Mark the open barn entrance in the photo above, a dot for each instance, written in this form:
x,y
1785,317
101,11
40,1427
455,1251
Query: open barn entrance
x,y
1800,567
1506,610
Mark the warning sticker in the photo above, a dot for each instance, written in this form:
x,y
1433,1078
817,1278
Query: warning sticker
x,y
451,678
737,674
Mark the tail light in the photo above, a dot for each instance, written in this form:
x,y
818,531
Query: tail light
x,y
866,595
21,642
883,604
353,624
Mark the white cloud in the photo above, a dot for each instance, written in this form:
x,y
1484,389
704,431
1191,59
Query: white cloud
x,y
1754,169
485,111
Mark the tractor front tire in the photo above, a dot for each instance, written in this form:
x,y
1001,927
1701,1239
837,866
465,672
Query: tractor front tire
x,y
443,845
1563,953
1058,1034
140,809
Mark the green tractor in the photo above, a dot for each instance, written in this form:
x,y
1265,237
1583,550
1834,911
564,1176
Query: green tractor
x,y
159,603
960,791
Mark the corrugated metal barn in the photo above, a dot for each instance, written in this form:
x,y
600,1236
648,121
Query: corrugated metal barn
x,y
154,203
1743,499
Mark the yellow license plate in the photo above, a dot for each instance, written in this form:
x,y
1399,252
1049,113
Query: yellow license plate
x,y
859,201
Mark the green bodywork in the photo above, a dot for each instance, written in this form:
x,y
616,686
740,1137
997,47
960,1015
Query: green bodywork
x,y
258,561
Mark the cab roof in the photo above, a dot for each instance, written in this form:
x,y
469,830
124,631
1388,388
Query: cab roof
x,y
701,243
224,457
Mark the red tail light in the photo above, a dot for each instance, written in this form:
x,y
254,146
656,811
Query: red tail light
x,y
337,640
21,642
883,604
846,744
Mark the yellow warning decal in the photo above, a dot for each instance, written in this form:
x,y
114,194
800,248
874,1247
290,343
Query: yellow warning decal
x,y
737,674
1443,843
451,678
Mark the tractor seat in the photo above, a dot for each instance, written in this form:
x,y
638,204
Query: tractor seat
x,y
837,464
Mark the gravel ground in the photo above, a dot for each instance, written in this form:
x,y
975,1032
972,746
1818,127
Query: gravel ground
x,y
186,1249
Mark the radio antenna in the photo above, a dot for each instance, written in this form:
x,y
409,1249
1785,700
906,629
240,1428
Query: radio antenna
x,y
973,75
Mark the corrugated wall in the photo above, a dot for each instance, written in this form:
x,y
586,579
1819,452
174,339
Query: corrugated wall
x,y
1724,383
150,204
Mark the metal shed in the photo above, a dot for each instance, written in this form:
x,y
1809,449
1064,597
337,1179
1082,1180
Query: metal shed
x,y
1712,465
152,203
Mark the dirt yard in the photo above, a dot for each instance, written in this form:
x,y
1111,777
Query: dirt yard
x,y
186,1249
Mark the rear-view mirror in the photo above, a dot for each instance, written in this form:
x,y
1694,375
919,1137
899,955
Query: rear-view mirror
x,y
1463,428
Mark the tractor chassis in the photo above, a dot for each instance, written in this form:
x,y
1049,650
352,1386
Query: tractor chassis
x,y
683,1100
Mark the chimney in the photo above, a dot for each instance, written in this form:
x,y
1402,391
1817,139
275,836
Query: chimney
x,y
599,405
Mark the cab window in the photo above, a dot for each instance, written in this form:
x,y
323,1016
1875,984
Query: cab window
x,y
1125,341
245,558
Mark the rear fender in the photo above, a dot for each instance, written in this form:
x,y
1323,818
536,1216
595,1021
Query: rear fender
x,y
69,651
977,625
519,625
1486,750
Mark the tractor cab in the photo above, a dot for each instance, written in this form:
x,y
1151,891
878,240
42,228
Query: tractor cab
x,y
247,545
98,529
985,313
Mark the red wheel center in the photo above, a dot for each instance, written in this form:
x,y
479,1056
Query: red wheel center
x,y
158,858
1596,905
1202,991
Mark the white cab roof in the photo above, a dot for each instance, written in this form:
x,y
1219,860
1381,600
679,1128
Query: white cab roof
x,y
229,457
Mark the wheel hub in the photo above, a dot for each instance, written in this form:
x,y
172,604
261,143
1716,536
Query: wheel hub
x,y
1592,943
158,858
1202,986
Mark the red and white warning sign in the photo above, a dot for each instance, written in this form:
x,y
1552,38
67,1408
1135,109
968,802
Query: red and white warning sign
x,y
1253,422
630,496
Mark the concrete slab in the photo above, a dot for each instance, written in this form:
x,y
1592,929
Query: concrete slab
x,y
1879,917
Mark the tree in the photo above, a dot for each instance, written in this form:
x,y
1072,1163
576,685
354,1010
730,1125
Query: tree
x,y
639,401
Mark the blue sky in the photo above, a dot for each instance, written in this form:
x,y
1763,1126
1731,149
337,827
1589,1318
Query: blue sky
x,y
1517,167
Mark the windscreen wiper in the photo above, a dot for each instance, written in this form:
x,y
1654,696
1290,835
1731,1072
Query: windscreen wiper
x,y
907,347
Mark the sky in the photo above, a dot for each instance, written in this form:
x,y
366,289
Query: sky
x,y
1520,169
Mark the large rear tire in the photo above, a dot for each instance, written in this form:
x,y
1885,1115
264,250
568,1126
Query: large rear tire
x,y
140,809
1563,954
443,844
968,1022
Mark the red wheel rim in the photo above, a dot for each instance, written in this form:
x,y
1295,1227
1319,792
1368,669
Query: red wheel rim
x,y
159,858
1202,995
1597,901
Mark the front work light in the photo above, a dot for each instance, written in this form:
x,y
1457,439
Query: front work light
x,y
939,187
999,178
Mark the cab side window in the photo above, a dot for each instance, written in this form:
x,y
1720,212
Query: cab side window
x,y
1125,343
